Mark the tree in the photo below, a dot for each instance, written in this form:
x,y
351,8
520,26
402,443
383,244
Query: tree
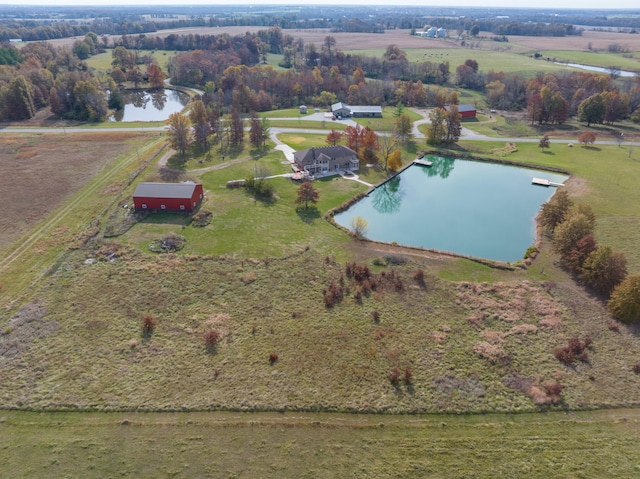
x,y
394,162
156,77
587,138
237,128
592,109
452,124
569,232
402,126
437,132
179,132
359,226
18,102
369,145
475,30
200,121
577,255
256,132
625,300
352,134
118,76
333,138
544,142
604,269
554,211
307,193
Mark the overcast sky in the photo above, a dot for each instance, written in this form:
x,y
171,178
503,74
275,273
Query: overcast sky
x,y
546,4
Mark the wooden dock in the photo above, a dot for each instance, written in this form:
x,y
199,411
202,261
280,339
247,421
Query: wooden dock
x,y
420,161
544,182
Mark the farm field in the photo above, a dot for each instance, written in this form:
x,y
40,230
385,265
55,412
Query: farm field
x,y
276,445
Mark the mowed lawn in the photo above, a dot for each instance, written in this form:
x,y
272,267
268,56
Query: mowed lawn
x,y
222,445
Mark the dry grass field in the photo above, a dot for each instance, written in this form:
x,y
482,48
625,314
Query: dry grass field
x,y
39,172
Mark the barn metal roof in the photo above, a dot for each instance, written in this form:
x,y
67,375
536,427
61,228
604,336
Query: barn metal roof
x,y
165,190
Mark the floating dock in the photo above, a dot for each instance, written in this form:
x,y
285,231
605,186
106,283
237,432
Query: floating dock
x,y
544,182
420,161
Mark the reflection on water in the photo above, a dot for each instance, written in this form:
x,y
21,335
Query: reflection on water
x,y
477,209
156,105
440,166
388,197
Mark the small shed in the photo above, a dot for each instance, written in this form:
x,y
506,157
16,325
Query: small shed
x,y
176,197
303,109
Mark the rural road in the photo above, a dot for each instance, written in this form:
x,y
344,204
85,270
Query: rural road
x,y
467,134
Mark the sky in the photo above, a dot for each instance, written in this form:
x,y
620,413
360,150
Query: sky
x,y
546,4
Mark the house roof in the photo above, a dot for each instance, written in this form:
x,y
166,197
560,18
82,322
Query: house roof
x,y
356,109
462,107
165,190
366,109
323,153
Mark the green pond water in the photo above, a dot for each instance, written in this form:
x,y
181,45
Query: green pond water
x,y
477,209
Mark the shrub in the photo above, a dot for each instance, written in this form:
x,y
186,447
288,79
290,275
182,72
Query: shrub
x,y
532,252
636,368
604,269
168,244
394,376
148,324
408,376
575,349
625,300
333,295
273,357
201,218
418,277
570,231
554,211
375,314
211,338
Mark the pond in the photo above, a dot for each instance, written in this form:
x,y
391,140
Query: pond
x,y
156,105
621,73
472,208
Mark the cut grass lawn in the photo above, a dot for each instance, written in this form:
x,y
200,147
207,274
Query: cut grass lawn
x,y
599,59
587,445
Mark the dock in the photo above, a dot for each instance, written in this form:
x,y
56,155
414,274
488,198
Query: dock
x,y
544,182
420,161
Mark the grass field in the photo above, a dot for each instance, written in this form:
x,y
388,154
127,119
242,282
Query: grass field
x,y
102,61
558,445
487,60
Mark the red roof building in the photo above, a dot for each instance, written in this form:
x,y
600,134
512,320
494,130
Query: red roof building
x,y
168,196
465,110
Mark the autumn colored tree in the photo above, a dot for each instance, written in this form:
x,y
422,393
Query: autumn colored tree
x,y
587,138
570,231
200,121
625,300
604,269
353,134
156,76
452,124
592,110
553,212
307,193
179,132
118,76
333,138
394,163
359,226
578,254
369,145
437,131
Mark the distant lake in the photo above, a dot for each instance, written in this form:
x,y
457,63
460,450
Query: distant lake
x,y
156,105
477,209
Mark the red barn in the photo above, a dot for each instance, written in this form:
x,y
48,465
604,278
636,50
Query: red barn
x,y
168,196
465,110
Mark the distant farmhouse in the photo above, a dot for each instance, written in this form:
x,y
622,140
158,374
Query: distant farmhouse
x,y
326,160
466,111
342,110
168,196
432,32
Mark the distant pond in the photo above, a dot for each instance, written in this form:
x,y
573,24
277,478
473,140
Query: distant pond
x,y
472,208
156,105
621,73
